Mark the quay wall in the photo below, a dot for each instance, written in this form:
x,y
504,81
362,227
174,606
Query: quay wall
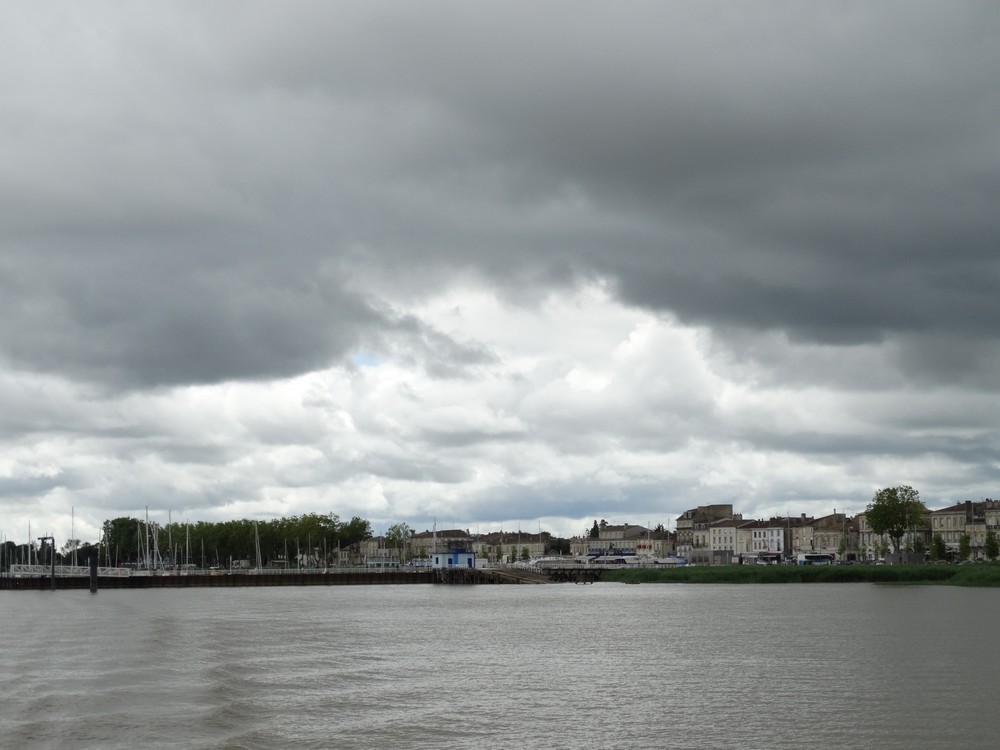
x,y
222,580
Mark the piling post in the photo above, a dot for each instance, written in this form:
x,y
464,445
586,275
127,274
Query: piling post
x,y
52,554
93,574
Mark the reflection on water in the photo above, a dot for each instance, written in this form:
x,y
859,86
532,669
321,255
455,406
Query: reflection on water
x,y
562,666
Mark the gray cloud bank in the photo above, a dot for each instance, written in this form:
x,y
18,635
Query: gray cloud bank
x,y
199,194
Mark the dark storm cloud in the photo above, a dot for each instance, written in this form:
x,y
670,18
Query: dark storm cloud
x,y
825,170
233,198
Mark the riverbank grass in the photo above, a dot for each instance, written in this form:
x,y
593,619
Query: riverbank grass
x,y
953,575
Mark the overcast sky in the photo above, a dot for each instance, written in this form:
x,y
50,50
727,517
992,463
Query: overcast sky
x,y
516,264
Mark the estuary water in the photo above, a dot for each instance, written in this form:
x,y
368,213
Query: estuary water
x,y
559,666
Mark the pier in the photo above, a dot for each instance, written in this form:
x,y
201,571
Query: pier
x,y
39,578
218,579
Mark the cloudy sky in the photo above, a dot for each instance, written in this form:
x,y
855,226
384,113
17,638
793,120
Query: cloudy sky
x,y
510,264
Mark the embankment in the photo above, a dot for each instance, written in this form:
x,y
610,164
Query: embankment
x,y
953,575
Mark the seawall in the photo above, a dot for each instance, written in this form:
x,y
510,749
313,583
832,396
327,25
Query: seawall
x,y
221,580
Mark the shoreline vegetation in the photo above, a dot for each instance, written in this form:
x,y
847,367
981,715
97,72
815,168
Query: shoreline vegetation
x,y
984,575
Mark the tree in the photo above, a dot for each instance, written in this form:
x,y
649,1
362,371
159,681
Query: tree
x,y
895,510
595,531
938,549
68,548
8,555
398,537
355,530
557,546
883,548
121,535
992,545
964,547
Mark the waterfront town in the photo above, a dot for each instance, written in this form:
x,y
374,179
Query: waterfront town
x,y
711,535
705,535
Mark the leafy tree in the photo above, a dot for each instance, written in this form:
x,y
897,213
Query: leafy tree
x,y
992,545
398,537
355,530
895,510
938,549
595,530
525,554
121,536
883,548
68,548
557,546
208,544
964,547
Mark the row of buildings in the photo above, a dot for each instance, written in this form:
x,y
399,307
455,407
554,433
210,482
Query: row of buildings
x,y
706,535
714,535
495,547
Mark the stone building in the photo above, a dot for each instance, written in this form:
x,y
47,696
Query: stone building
x,y
694,531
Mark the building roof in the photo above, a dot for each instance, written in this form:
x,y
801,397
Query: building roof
x,y
442,534
957,508
510,537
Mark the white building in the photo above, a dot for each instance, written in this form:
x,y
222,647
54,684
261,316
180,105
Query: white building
x,y
453,558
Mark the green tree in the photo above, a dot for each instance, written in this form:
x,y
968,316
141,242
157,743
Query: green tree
x,y
595,530
355,530
8,555
938,549
525,554
893,511
398,537
121,536
964,547
992,545
557,546
883,548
